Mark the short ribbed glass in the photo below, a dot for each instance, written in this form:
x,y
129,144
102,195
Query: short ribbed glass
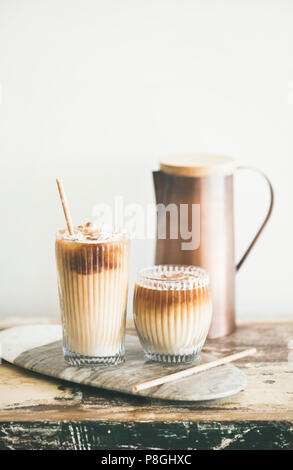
x,y
92,284
172,312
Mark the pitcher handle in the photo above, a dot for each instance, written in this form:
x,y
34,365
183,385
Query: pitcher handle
x,y
239,264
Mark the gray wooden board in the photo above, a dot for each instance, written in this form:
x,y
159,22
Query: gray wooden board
x,y
39,348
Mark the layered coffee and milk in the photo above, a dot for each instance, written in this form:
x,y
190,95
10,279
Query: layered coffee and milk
x,y
172,312
92,281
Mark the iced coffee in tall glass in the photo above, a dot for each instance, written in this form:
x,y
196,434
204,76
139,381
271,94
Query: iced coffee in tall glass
x,y
92,269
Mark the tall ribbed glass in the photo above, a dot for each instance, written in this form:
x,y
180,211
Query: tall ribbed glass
x,y
172,312
92,284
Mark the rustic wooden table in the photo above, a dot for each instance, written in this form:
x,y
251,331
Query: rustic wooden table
x,y
41,413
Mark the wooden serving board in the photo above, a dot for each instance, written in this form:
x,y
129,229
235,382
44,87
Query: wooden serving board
x,y
39,348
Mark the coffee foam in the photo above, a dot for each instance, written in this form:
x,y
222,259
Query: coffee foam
x,y
172,277
92,233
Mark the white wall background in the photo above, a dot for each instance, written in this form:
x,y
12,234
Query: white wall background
x,y
98,90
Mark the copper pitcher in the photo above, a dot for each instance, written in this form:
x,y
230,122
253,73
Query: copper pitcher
x,y
207,181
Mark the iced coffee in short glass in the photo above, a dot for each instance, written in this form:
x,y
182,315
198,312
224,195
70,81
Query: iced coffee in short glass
x,y
172,312
92,269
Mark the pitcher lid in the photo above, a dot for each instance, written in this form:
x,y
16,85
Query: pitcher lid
x,y
198,165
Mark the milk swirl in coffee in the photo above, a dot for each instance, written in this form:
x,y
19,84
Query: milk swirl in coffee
x,y
172,312
92,281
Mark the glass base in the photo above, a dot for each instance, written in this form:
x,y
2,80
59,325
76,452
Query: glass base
x,y
75,359
173,359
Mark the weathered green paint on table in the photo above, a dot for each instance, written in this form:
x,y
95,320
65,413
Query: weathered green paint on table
x,y
38,412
